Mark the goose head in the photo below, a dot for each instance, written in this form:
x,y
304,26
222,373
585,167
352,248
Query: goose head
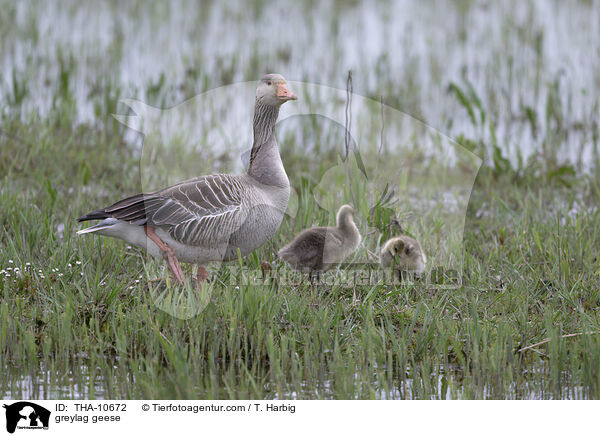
x,y
273,91
345,215
402,249
405,252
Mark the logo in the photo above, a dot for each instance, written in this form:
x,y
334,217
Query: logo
x,y
26,415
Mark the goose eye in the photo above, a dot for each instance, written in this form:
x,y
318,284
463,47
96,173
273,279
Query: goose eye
x,y
269,82
407,251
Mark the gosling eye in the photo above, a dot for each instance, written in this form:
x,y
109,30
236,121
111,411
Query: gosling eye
x,y
269,82
407,251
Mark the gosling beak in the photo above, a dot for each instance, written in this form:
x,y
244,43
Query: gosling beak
x,y
284,94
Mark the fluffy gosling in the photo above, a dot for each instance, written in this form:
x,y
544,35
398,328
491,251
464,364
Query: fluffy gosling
x,y
406,254
319,248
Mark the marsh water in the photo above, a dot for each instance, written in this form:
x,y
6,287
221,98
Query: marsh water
x,y
525,66
441,385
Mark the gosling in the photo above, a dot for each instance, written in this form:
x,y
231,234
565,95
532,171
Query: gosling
x,y
406,254
317,249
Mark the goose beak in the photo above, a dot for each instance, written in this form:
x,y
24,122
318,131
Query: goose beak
x,y
284,94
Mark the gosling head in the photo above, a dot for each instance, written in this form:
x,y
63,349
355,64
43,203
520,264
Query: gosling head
x,y
345,215
406,254
273,91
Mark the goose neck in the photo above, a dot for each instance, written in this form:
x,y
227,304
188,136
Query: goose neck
x,y
347,226
265,117
265,161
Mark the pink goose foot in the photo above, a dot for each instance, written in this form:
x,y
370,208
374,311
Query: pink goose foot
x,y
167,253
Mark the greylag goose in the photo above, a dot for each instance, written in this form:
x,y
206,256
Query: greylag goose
x,y
319,248
405,253
210,218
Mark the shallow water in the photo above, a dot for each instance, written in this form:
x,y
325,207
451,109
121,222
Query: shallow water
x,y
517,55
54,385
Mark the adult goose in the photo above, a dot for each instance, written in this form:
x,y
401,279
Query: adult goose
x,y
319,248
210,218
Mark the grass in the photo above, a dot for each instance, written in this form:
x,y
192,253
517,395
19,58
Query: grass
x,y
85,310
89,317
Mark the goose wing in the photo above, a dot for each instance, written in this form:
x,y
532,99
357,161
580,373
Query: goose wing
x,y
201,211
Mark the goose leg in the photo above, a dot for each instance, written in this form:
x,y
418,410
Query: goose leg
x,y
167,253
202,275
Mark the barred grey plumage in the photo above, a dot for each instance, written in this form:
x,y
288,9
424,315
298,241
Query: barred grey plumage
x,y
210,218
